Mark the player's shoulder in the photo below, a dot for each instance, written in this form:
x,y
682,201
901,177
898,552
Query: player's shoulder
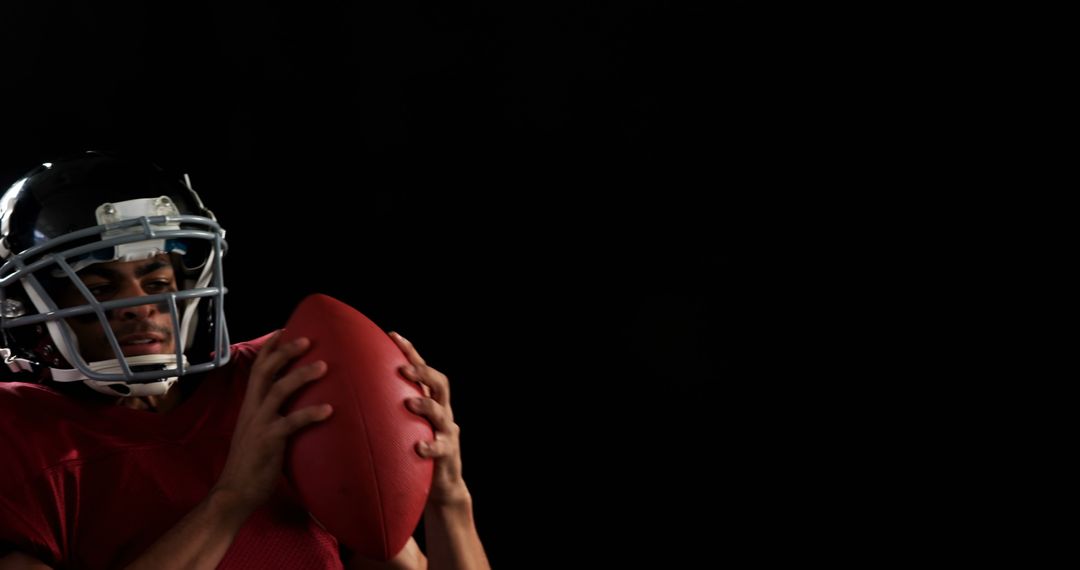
x,y
30,412
16,397
247,350
242,356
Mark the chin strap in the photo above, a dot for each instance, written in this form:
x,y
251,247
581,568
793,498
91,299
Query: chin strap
x,y
15,363
156,387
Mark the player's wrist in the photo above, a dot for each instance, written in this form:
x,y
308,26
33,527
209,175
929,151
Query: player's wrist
x,y
230,504
452,500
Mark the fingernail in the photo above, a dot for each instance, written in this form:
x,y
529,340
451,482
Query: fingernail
x,y
413,403
397,334
327,410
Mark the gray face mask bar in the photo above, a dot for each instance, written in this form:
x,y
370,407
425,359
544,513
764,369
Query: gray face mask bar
x,y
122,234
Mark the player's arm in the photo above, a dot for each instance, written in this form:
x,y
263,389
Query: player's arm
x,y
253,467
451,538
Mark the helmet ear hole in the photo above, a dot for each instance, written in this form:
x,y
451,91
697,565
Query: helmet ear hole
x,y
12,308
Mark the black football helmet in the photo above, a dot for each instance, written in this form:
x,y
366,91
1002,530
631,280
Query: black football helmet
x,y
66,216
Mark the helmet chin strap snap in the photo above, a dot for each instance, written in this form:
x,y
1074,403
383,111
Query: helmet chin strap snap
x,y
156,387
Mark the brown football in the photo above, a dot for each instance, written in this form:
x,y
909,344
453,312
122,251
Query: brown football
x,y
357,472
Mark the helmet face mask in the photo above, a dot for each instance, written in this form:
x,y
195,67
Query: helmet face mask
x,y
151,253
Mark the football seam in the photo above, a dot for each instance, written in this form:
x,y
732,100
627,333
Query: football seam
x,y
374,476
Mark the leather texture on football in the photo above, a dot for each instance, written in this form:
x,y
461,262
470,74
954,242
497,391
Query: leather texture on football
x,y
357,472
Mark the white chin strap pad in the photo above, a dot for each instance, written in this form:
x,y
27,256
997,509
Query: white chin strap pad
x,y
158,387
118,387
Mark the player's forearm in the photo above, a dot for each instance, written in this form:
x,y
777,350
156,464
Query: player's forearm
x,y
451,537
200,539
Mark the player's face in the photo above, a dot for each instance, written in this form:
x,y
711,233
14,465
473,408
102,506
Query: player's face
x,y
142,329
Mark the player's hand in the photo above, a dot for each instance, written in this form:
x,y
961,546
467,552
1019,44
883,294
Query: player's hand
x,y
256,454
447,485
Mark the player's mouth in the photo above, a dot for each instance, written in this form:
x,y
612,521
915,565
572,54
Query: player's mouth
x,y
144,343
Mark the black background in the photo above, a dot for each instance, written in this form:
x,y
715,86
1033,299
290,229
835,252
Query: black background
x,y
548,200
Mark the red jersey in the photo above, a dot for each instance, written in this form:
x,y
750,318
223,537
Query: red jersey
x,y
93,485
